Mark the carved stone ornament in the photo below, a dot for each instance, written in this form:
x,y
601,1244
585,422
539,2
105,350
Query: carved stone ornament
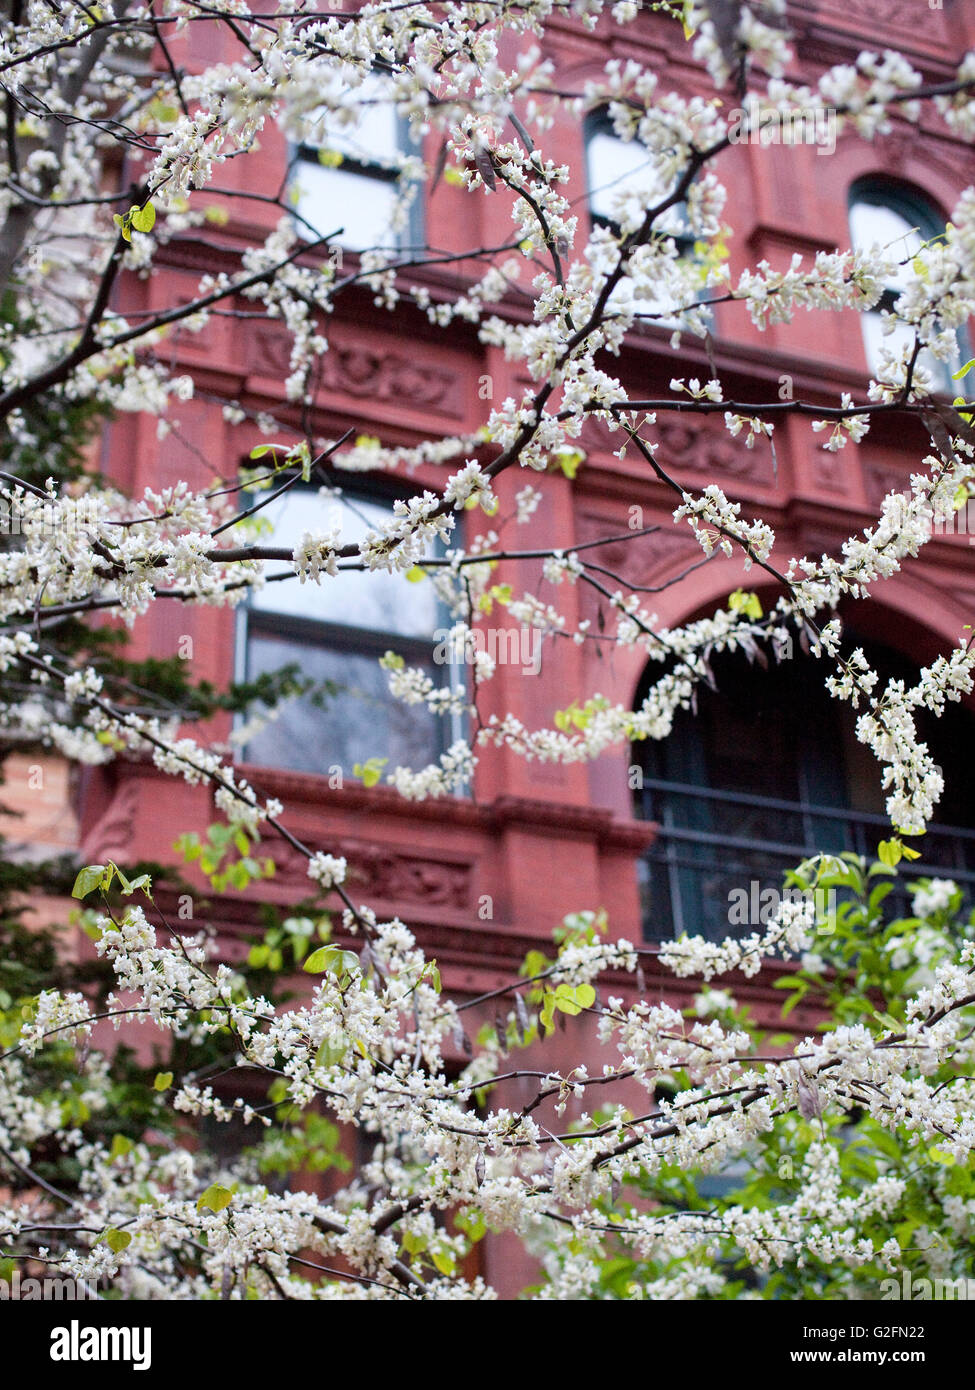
x,y
385,874
355,369
901,14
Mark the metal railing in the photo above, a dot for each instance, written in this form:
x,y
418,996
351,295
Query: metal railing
x,y
712,844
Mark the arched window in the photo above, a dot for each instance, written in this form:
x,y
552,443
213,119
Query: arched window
x,y
768,772
620,171
897,217
624,178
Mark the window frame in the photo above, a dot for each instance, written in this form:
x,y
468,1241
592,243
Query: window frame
x,y
922,213
303,153
599,122
347,638
692,806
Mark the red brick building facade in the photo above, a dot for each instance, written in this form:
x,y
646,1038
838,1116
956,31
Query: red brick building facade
x,y
483,879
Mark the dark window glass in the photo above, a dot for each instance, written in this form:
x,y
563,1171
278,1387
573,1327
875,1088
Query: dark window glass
x,y
769,772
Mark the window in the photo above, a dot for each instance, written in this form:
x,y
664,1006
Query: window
x,y
624,179
345,175
768,773
895,217
623,182
335,632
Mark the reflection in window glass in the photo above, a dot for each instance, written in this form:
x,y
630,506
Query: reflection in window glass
x,y
876,223
624,179
345,174
332,198
335,632
359,722
621,179
895,219
378,600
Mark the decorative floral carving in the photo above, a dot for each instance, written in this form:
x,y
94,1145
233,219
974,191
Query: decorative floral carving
x,y
708,452
639,561
358,370
903,14
384,874
879,480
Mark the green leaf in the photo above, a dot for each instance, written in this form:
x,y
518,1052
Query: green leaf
x,y
220,835
121,1145
188,846
547,1012
963,371
415,574
745,602
414,1242
215,1198
117,1240
472,1223
370,771
890,852
567,999
319,961
129,886
88,880
330,960
331,1052
123,881
163,1081
792,1001
569,461
162,112
124,225
535,963
143,219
